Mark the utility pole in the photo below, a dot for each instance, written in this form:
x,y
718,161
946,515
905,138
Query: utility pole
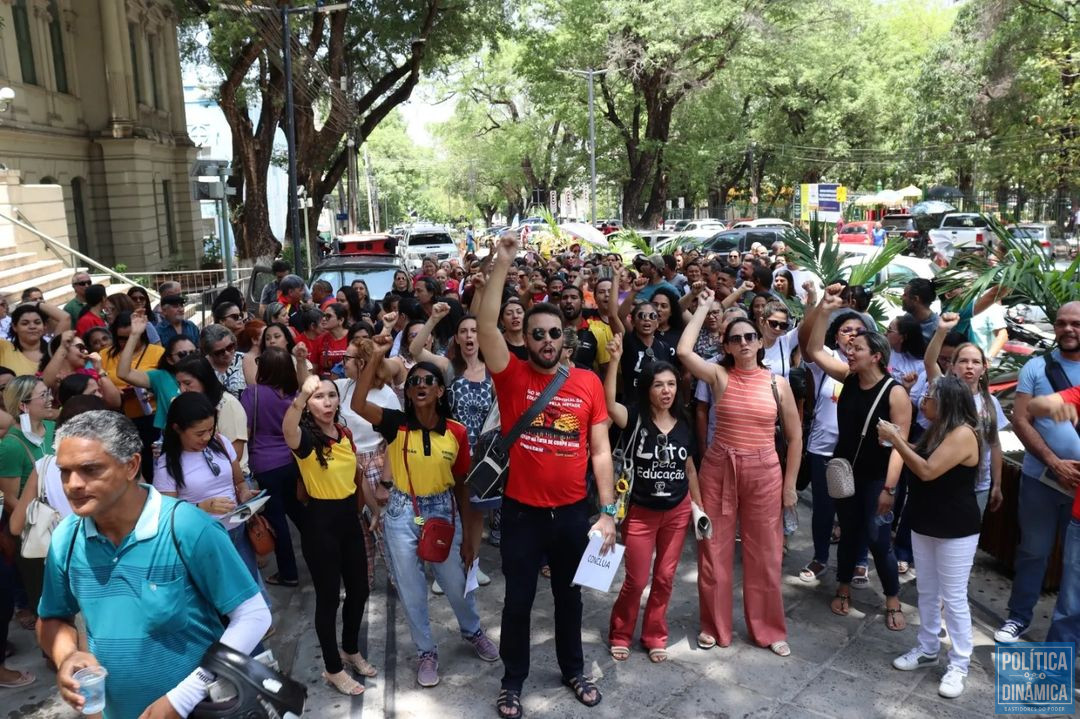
x,y
753,188
351,202
372,193
589,75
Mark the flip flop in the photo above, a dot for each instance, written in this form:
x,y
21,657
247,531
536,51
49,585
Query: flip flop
x,y
891,619
658,655
845,604
706,641
619,653
24,679
780,649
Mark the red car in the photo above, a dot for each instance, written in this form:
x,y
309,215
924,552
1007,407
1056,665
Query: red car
x,y
858,233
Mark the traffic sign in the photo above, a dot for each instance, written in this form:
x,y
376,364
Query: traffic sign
x,y
682,203
553,201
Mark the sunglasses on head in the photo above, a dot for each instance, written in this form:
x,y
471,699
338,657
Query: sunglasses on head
x,y
538,333
417,380
746,338
778,325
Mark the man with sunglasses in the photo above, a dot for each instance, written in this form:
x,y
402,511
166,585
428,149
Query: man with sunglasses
x,y
173,322
75,305
544,509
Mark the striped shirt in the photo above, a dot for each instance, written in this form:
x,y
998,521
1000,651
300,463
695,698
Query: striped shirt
x,y
746,412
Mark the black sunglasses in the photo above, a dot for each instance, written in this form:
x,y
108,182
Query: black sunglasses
x,y
209,457
417,380
181,354
743,338
83,283
778,325
538,333
234,317
231,347
647,316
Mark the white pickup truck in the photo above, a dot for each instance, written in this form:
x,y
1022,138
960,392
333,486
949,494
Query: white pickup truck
x,y
964,231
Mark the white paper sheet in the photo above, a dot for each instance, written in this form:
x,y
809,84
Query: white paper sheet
x,y
245,511
472,580
596,571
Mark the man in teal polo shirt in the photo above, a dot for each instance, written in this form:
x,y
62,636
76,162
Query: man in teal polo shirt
x,y
152,576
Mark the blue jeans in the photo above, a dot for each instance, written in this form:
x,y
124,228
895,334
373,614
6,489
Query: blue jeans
x,y
824,511
858,526
240,540
1066,624
280,484
401,535
1043,514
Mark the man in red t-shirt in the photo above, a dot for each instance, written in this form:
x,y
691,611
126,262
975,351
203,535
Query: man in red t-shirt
x,y
544,510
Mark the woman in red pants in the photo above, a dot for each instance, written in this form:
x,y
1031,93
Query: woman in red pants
x,y
741,480
659,445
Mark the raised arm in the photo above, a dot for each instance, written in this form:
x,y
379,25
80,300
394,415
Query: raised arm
x,y
734,297
616,411
371,412
815,346
492,344
109,391
417,347
290,426
51,374
706,371
60,321
618,327
479,281
124,371
946,323
627,306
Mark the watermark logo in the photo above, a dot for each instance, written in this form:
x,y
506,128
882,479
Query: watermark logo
x,y
1034,678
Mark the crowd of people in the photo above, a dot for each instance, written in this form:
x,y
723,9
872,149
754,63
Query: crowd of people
x,y
692,394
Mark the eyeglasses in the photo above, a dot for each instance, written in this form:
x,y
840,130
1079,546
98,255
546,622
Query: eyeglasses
x,y
231,347
647,316
209,457
181,354
82,283
45,396
538,333
743,338
329,316
417,380
778,325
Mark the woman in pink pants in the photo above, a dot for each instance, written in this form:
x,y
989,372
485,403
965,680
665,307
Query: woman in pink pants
x,y
741,480
659,447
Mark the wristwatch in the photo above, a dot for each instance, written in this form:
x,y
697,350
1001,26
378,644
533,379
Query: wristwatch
x,y
890,490
609,510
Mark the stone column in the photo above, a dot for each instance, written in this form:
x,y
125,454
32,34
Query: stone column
x,y
174,88
115,45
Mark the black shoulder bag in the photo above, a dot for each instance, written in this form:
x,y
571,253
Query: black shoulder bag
x,y
491,458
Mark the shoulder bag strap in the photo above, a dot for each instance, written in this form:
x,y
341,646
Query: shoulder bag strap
x,y
504,441
779,409
412,492
1055,375
866,424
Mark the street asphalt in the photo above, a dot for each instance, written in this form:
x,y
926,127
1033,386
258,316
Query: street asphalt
x,y
839,666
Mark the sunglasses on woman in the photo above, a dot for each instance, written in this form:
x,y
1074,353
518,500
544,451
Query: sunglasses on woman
x,y
231,347
209,457
647,316
743,338
417,380
538,333
778,325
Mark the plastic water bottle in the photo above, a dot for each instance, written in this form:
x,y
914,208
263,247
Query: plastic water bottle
x,y
884,519
791,521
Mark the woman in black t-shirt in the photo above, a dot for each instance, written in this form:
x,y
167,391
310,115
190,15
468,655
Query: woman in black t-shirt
x,y
945,520
659,447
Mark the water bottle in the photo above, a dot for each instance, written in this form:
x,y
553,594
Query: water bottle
x,y
791,521
882,520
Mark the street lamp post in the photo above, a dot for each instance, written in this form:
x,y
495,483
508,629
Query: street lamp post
x,y
589,75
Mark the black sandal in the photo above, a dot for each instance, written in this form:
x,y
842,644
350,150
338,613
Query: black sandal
x,y
509,699
581,685
277,581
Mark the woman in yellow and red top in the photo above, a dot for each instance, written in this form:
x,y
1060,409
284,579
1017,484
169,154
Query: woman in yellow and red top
x,y
429,458
331,539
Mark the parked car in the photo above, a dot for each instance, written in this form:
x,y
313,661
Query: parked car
x,y
743,238
706,224
903,226
428,241
339,269
857,233
763,222
1045,235
669,225
963,231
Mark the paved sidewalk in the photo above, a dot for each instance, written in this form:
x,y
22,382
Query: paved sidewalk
x,y
839,667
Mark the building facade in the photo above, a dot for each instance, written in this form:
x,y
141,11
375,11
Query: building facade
x,y
98,109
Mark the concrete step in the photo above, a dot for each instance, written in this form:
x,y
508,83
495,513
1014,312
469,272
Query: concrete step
x,y
16,259
55,285
29,269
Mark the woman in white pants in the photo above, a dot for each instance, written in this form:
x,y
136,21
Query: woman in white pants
x,y
945,520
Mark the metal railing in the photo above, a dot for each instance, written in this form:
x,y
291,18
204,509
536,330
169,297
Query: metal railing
x,y
57,247
205,285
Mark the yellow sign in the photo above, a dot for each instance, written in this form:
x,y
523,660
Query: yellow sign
x,y
841,194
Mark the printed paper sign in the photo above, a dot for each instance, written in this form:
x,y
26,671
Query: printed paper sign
x,y
596,571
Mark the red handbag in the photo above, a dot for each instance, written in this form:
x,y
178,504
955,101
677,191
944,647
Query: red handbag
x,y
436,533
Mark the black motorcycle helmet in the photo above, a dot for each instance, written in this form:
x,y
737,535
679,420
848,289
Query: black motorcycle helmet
x,y
259,691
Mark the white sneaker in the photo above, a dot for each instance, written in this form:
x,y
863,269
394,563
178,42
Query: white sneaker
x,y
952,684
482,579
913,660
1010,631
435,588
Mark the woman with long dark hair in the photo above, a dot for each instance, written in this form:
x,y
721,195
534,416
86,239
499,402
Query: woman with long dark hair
x,y
331,538
512,322
199,465
671,318
945,521
780,338
868,390
907,345
429,458
140,299
367,305
196,374
349,297
741,480
281,336
271,460
25,351
659,446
